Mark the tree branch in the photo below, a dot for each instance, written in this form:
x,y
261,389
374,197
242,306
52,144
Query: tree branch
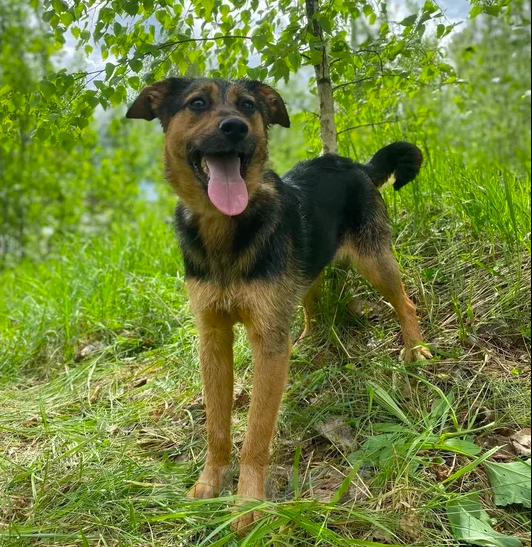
x,y
200,40
341,86
367,125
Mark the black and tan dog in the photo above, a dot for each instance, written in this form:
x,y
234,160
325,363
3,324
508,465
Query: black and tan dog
x,y
255,244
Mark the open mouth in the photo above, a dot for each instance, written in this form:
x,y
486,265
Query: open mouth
x,y
225,176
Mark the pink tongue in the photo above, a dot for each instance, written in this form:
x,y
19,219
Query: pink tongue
x,y
227,188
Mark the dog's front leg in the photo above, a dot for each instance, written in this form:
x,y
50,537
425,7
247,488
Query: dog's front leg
x,y
216,357
271,353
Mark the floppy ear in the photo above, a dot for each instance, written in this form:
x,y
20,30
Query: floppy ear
x,y
275,106
147,105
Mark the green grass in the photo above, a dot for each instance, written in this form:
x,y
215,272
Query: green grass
x,y
102,428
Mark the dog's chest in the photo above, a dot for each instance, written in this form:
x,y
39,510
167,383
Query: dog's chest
x,y
243,299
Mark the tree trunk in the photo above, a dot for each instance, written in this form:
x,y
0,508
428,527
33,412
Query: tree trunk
x,y
323,78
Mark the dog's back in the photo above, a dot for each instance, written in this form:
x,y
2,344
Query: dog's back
x,y
340,202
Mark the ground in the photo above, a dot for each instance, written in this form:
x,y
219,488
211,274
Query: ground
x,y
102,424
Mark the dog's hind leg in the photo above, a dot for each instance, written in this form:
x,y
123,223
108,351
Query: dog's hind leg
x,y
382,271
309,307
216,357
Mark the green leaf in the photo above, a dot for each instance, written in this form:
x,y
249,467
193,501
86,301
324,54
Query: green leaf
x,y
132,7
47,89
510,482
59,6
493,10
208,5
66,140
47,15
225,10
67,19
409,21
397,49
430,7
463,447
326,24
470,523
5,90
109,70
42,133
476,11
135,65
386,401
134,82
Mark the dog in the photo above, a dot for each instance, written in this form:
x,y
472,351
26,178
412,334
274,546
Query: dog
x,y
254,247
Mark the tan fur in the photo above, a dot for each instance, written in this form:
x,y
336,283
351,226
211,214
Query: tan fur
x,y
382,271
309,306
265,309
216,357
184,130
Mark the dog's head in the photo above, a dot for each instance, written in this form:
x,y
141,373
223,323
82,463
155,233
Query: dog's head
x,y
216,137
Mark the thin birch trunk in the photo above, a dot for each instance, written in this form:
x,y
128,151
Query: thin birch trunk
x,y
323,77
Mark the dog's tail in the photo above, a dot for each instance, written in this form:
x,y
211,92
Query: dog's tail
x,y
400,158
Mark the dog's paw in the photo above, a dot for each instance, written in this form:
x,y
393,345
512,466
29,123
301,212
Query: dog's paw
x,y
251,491
416,354
243,525
202,491
307,332
209,484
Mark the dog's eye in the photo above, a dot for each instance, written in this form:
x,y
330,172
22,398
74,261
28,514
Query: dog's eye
x,y
198,103
248,105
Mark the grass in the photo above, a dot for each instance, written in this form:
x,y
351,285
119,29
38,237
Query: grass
x,y
102,427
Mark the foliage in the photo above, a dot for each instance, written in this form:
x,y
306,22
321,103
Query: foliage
x,y
142,41
472,524
510,482
51,189
490,105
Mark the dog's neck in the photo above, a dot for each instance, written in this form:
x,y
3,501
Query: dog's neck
x,y
224,246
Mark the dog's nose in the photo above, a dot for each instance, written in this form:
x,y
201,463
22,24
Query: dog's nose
x,y
234,129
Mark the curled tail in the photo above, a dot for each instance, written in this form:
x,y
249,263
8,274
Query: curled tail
x,y
400,158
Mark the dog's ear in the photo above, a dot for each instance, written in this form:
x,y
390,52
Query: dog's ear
x,y
276,111
149,104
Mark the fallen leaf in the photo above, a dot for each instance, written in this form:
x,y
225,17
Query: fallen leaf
x,y
337,432
364,309
522,442
196,407
411,526
327,486
241,400
88,350
511,482
95,394
506,452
